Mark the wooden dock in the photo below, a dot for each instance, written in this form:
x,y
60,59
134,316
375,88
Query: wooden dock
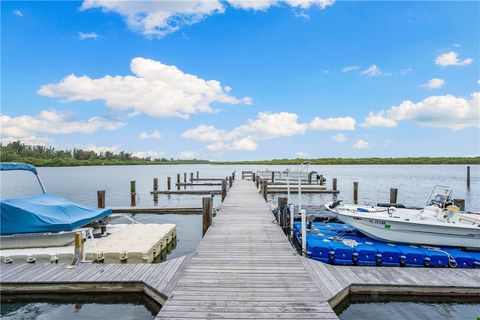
x,y
244,268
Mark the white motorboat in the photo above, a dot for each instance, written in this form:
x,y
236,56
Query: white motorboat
x,y
439,223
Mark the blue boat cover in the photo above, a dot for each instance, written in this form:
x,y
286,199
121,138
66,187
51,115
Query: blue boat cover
x,y
9,166
45,213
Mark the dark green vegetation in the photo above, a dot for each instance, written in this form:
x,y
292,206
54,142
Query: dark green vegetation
x,y
42,156
335,161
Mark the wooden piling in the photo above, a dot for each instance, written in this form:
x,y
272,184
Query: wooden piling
x,y
393,195
185,177
191,176
198,175
282,205
265,187
355,192
178,181
334,184
230,181
253,176
78,251
133,194
207,206
169,183
224,189
310,178
273,176
468,176
233,175
101,198
155,184
257,181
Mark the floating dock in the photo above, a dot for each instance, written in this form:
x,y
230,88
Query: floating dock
x,y
244,267
117,247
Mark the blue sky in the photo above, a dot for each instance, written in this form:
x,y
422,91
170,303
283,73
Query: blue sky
x,y
243,79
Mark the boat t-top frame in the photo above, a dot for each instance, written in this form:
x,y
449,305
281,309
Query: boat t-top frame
x,y
16,166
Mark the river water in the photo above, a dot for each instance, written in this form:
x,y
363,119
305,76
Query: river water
x,y
80,184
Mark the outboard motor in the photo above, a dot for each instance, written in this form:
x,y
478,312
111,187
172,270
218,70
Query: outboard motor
x,y
335,204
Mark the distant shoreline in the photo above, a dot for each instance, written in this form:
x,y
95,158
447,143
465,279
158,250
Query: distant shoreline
x,y
322,161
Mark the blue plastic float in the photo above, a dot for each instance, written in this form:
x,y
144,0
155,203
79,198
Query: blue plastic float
x,y
341,244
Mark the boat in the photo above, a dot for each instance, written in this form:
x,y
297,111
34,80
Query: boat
x,y
43,220
301,173
439,223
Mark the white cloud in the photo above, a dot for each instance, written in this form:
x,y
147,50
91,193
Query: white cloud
x,y
31,140
90,35
361,144
456,45
341,123
154,135
99,149
405,71
301,155
17,13
159,17
187,155
267,126
155,89
340,137
26,127
350,68
148,154
386,142
446,111
303,15
374,71
451,59
434,83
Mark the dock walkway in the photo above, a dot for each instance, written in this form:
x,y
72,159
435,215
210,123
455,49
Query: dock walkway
x,y
244,268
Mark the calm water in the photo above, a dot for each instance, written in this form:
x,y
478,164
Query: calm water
x,y
78,306
80,184
400,308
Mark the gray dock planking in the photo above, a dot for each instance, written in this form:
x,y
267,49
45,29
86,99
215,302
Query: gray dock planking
x,y
244,268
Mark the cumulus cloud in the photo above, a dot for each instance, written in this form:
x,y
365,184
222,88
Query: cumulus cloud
x,y
17,13
374,71
301,154
103,149
361,144
266,126
187,155
350,68
155,89
159,17
445,111
340,137
154,135
434,83
27,127
148,154
451,59
90,35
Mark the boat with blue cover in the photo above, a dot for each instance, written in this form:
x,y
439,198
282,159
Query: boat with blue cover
x,y
42,220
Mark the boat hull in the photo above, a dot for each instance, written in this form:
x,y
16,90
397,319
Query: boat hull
x,y
35,240
413,233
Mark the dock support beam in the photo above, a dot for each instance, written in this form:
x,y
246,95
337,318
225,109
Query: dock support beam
x,y
169,183
207,205
282,206
79,253
292,219
101,198
184,177
198,175
224,189
304,232
178,181
265,187
468,176
355,192
273,177
155,184
133,194
334,184
191,177
233,175
230,181
393,195
257,181
253,177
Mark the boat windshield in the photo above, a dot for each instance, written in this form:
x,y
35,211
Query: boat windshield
x,y
439,195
